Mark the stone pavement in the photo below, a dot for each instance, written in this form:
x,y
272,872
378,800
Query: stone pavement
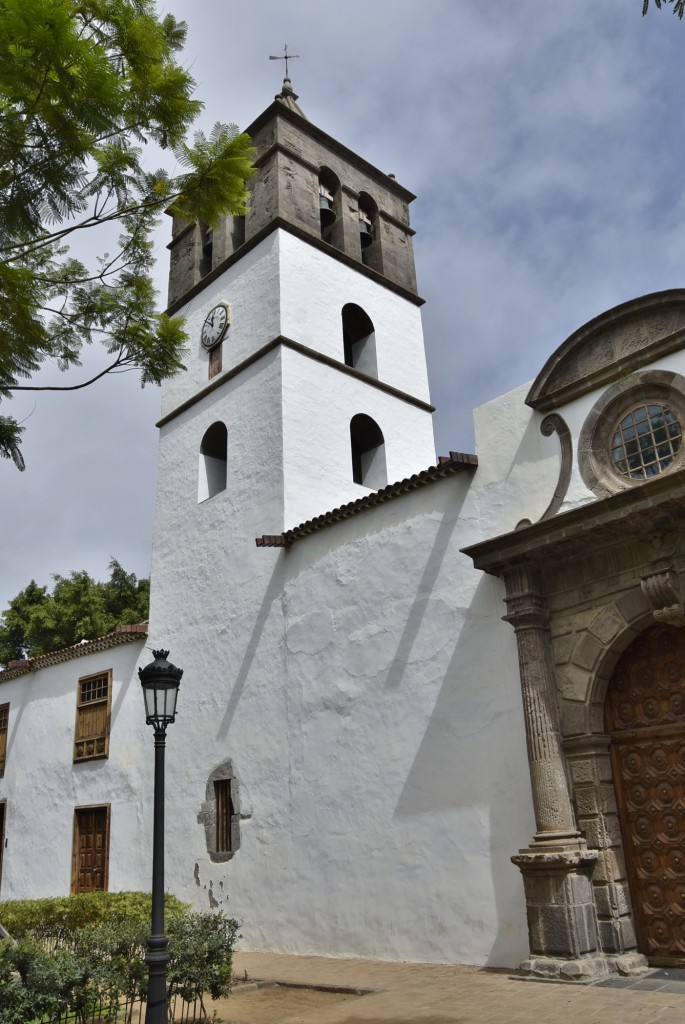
x,y
436,994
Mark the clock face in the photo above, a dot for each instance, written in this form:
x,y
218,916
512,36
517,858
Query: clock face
x,y
214,327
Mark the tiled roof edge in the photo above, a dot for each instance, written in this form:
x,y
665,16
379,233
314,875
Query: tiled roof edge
x,y
447,464
121,635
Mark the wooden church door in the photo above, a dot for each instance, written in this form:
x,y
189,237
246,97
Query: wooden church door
x,y
91,849
645,719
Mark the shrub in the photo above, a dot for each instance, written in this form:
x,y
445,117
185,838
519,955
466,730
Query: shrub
x,y
61,967
201,947
59,916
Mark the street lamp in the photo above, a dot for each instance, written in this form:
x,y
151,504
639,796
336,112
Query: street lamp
x,y
160,681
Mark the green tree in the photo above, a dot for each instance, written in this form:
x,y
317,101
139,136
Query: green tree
x,y
84,85
678,6
78,608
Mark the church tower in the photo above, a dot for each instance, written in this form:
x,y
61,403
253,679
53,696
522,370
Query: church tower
x,y
305,332
305,388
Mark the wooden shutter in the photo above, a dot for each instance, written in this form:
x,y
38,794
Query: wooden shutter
x,y
90,856
4,724
215,360
224,815
93,707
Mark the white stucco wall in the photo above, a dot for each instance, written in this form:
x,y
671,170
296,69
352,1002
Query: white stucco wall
x,y
366,692
314,287
318,405
252,288
42,786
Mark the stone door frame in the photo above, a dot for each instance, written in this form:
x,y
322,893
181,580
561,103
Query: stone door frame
x,y
580,587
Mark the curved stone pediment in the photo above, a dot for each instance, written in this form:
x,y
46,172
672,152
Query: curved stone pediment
x,y
611,345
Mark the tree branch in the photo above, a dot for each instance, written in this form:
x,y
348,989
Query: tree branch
x,y
69,387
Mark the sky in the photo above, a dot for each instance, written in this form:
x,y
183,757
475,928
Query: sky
x,y
545,144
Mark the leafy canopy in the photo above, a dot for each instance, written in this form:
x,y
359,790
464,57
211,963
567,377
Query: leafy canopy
x,y
78,608
84,86
678,8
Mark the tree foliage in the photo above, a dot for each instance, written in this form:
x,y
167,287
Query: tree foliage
x,y
678,6
84,86
38,621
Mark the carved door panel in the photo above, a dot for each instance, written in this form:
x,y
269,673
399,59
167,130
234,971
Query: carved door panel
x,y
91,849
645,716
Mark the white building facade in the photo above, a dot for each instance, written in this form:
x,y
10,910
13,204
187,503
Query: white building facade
x,y
363,744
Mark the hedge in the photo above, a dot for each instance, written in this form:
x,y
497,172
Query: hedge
x,y
60,915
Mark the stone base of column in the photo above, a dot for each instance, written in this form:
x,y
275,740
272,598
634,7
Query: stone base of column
x,y
562,918
582,971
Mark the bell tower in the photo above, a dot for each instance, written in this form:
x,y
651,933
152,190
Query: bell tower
x,y
305,332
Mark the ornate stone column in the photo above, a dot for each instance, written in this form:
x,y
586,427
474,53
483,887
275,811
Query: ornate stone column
x,y
556,867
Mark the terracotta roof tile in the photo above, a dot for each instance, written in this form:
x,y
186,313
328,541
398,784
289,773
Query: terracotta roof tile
x,y
121,635
447,464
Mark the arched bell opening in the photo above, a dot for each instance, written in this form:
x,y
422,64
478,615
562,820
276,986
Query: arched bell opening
x,y
213,462
359,339
368,452
369,233
207,248
329,208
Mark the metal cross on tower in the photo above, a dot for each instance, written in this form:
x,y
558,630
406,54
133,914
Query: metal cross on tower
x,y
286,57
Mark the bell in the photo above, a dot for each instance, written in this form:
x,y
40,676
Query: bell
x,y
326,212
365,236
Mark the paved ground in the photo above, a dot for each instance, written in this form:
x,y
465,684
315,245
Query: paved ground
x,y
427,994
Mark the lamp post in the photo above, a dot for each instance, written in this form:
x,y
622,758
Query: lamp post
x,y
160,681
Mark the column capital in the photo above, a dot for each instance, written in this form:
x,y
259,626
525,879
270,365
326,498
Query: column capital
x,y
525,599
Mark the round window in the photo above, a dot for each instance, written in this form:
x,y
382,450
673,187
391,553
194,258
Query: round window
x,y
634,432
646,441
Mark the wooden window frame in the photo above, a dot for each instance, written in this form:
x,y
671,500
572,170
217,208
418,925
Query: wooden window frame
x,y
75,848
221,814
4,733
225,814
92,746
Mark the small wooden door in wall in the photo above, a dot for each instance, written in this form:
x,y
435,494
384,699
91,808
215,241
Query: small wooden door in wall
x,y
90,860
645,718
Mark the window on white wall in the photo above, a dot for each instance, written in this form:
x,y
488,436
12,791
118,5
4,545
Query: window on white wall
x,y
213,462
368,452
359,339
4,726
93,709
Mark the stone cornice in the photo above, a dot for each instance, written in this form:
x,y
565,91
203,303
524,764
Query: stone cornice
x,y
278,109
303,350
652,506
304,236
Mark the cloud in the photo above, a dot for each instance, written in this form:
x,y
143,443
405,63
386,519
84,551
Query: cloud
x,y
545,144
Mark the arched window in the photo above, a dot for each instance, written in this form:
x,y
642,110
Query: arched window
x,y
359,339
369,233
329,208
207,241
213,462
368,452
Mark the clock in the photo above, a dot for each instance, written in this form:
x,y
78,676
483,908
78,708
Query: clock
x,y
214,327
